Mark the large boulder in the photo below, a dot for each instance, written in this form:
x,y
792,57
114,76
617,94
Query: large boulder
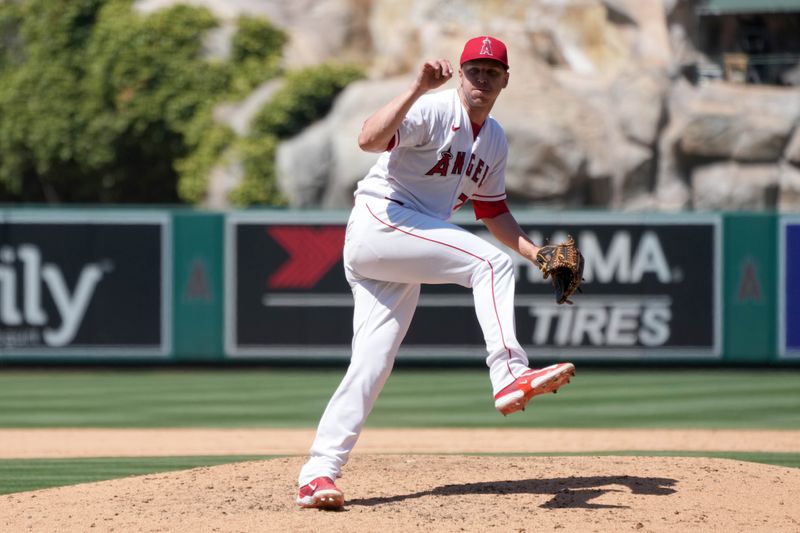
x,y
543,161
597,112
636,98
617,144
350,163
741,122
404,33
321,165
713,126
731,185
303,164
672,189
723,131
646,23
545,151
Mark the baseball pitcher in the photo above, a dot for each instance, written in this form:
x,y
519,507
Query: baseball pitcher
x,y
438,151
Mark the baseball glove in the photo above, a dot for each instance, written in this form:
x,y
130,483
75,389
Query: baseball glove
x,y
563,263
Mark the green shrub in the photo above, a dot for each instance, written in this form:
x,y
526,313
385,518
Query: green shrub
x,y
306,96
195,169
255,53
99,103
39,127
259,186
96,108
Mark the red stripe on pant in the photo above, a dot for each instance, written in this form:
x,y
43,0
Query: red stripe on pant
x,y
491,269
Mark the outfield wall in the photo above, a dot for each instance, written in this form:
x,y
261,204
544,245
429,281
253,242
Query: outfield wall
x,y
267,285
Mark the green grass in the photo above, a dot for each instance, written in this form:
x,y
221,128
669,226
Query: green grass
x,y
19,475
596,398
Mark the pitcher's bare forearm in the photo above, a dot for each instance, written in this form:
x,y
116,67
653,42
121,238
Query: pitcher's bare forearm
x,y
506,229
381,126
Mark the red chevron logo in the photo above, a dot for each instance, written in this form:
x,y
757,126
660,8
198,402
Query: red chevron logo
x,y
312,253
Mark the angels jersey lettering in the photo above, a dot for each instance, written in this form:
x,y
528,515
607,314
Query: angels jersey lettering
x,y
435,164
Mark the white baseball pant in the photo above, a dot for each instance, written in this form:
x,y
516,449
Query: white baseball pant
x,y
389,251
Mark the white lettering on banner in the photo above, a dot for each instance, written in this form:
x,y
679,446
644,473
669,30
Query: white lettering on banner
x,y
625,261
9,314
32,259
623,325
590,323
71,307
19,338
655,325
620,324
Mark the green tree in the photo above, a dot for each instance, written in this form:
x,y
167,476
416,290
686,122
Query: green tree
x,y
99,103
96,107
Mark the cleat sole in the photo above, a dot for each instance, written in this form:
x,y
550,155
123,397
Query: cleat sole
x,y
552,384
326,500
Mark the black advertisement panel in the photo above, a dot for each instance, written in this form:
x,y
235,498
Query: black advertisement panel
x,y
650,291
93,285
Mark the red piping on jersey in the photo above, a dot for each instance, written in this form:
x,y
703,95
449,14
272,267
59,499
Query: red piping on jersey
x,y
491,269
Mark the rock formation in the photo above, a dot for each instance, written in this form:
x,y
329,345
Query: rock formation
x,y
598,112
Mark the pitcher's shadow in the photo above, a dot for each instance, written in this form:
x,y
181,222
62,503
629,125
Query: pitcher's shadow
x,y
567,492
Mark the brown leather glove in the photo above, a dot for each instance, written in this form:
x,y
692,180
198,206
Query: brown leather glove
x,y
563,263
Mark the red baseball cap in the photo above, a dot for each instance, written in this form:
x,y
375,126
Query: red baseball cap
x,y
485,47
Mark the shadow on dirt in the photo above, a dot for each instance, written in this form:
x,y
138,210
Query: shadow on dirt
x,y
567,492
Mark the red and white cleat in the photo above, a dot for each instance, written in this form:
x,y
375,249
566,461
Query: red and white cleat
x,y
532,383
320,493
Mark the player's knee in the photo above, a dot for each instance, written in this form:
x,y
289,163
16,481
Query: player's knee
x,y
496,265
501,262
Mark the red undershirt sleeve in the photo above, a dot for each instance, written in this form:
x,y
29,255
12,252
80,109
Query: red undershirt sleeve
x,y
485,209
393,141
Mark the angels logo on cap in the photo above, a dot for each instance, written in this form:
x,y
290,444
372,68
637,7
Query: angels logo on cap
x,y
485,47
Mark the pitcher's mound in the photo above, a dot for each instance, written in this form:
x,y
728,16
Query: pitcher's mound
x,y
432,493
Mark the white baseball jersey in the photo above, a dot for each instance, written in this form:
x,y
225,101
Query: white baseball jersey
x,y
435,165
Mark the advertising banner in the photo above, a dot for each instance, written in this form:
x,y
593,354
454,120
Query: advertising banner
x,y
789,293
285,290
84,285
650,292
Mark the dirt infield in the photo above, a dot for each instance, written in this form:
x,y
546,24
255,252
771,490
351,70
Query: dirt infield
x,y
52,443
412,492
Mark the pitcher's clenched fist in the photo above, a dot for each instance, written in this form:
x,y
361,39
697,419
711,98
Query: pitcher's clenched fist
x,y
434,74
